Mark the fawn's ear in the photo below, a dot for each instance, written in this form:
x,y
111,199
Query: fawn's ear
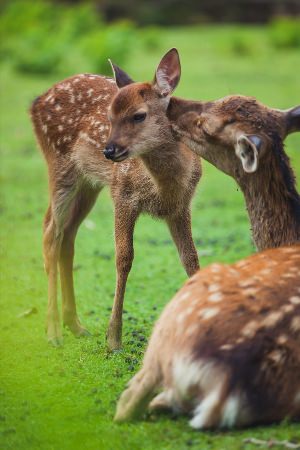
x,y
168,72
247,150
121,77
292,120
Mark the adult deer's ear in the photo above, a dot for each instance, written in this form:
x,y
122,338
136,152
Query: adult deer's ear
x,y
292,120
247,150
168,72
121,77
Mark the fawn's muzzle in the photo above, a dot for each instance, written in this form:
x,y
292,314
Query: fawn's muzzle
x,y
115,152
109,151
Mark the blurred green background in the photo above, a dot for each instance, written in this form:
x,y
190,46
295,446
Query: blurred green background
x,y
65,398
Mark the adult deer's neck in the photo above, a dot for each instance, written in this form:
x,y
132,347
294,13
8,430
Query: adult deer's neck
x,y
272,201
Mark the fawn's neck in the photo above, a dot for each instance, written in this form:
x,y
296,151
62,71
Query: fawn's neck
x,y
166,166
273,204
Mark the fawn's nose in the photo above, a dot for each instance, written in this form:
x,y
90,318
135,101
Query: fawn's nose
x,y
109,151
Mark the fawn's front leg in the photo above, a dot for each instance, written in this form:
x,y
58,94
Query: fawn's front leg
x,y
124,226
181,231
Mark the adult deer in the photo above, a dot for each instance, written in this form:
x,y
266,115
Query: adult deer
x,y
244,139
226,349
71,126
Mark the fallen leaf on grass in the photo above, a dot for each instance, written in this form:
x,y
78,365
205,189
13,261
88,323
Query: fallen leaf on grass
x,y
28,312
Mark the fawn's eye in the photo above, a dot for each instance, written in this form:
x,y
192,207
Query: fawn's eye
x,y
139,117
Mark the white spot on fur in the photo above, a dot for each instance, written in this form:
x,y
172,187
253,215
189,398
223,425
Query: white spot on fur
x,y
265,272
289,275
282,339
226,347
289,250
215,297
275,356
60,128
295,300
295,324
215,268
250,291
44,128
245,283
250,329
185,295
214,287
272,319
181,317
287,308
208,313
192,329
87,138
241,263
58,107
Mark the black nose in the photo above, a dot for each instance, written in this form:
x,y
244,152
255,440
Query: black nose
x,y
109,151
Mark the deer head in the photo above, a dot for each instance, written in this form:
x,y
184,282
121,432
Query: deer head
x,y
233,125
138,112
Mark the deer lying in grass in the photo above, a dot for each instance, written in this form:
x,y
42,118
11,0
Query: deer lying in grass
x,y
71,125
244,139
226,349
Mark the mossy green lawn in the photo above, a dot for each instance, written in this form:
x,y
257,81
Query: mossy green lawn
x,y
65,398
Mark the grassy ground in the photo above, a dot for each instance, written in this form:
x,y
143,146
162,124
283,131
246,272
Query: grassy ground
x,y
65,398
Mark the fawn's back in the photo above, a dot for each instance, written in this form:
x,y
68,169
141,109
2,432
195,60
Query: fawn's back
x,y
72,127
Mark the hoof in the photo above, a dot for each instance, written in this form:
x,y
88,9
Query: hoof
x,y
56,341
117,350
76,328
82,333
113,345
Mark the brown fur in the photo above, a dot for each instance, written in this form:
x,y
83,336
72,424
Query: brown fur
x,y
212,129
236,327
72,128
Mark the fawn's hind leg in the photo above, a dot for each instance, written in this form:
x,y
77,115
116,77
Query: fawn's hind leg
x,y
55,218
82,204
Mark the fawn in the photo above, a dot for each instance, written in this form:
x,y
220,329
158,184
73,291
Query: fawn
x,y
244,139
226,349
71,125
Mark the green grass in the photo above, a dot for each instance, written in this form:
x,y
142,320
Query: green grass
x,y
65,398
